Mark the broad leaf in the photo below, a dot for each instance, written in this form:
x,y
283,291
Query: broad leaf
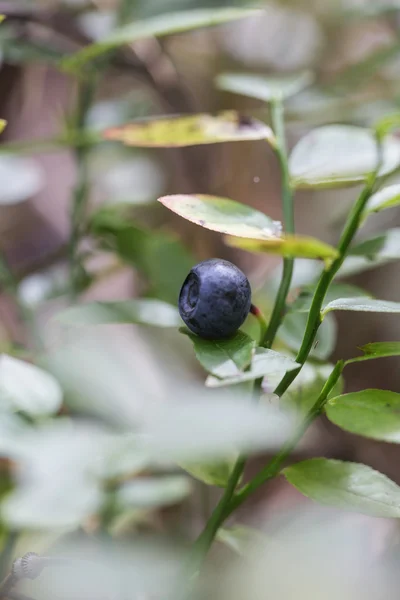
x,y
240,537
157,26
223,358
292,330
371,413
190,130
264,363
223,215
340,155
141,312
27,388
388,197
372,253
263,87
287,246
152,492
346,485
377,350
217,473
362,304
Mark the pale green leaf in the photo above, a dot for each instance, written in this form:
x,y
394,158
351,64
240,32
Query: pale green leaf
x,y
337,155
362,304
223,358
223,215
381,249
27,388
265,363
388,197
152,492
190,130
336,290
371,413
217,473
291,333
377,350
346,485
141,312
287,246
157,26
240,538
263,87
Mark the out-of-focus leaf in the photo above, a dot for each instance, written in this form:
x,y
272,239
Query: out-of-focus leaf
x,y
287,246
263,87
292,330
388,197
27,388
146,492
3,125
192,130
346,485
157,26
336,290
372,253
212,474
265,363
240,537
362,304
338,155
387,124
16,49
223,215
141,312
223,358
371,413
377,350
306,388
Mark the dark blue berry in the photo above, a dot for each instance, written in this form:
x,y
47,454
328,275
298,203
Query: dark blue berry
x,y
215,299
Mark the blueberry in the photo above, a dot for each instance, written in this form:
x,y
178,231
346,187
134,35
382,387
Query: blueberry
x,y
215,299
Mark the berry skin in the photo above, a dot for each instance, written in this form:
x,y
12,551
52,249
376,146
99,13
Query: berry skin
x,y
215,299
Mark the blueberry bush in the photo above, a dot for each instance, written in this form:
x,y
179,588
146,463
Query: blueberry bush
x,y
122,472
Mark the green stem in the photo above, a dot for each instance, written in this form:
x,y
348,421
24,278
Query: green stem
x,y
257,313
274,466
7,552
277,115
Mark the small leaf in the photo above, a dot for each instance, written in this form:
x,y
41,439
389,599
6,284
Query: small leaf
x,y
141,312
192,130
291,333
223,358
287,246
372,253
265,362
336,290
388,197
3,123
151,492
346,485
211,474
371,413
157,26
377,350
239,537
27,388
362,304
337,155
262,87
223,215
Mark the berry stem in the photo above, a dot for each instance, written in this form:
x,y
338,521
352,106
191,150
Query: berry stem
x,y
258,314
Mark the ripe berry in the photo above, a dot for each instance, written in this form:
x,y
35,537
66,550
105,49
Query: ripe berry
x,y
215,299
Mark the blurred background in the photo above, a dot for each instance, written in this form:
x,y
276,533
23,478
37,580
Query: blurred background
x,y
353,49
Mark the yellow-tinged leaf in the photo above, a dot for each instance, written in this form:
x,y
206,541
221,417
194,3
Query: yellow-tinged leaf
x,y
190,130
3,125
288,246
2,18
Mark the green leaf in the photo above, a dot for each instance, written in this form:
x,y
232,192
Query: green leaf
x,y
287,246
152,492
388,197
371,413
291,333
336,290
377,350
262,87
223,215
240,537
141,312
190,130
372,253
346,485
362,304
217,473
157,26
265,363
337,155
27,388
386,124
223,358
